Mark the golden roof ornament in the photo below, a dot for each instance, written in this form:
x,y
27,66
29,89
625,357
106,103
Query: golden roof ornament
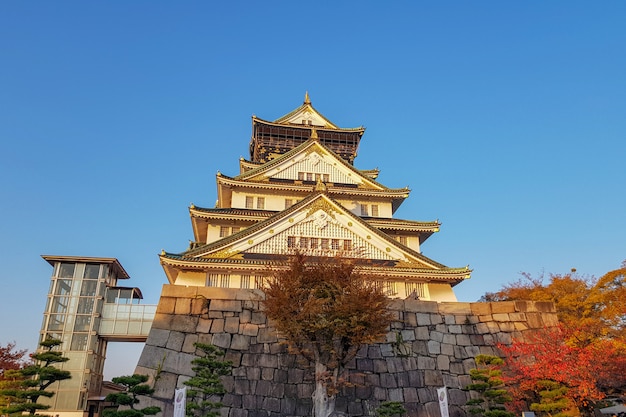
x,y
320,186
307,100
313,133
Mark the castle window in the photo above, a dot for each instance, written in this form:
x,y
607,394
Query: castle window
x,y
235,230
309,176
364,210
223,231
324,244
335,244
314,242
249,202
260,203
347,245
403,240
245,281
304,243
301,176
291,241
225,280
325,177
375,210
288,202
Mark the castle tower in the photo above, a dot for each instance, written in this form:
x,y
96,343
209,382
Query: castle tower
x,y
301,191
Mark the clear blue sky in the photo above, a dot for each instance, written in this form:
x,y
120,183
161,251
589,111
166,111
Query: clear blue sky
x,y
506,119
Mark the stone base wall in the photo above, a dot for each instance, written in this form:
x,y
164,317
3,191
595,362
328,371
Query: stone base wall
x,y
429,345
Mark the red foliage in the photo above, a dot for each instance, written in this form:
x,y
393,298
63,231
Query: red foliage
x,y
11,358
547,356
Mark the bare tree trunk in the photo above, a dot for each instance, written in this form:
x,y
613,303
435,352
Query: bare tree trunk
x,y
323,404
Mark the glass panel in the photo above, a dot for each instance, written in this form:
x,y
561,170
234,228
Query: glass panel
x,y
79,341
67,270
59,305
56,322
111,295
92,271
85,306
82,323
125,296
64,286
89,288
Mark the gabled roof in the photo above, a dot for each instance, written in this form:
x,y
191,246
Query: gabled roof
x,y
321,211
306,112
311,146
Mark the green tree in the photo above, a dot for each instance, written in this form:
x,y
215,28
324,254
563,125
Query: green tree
x,y
487,383
205,387
135,387
326,310
390,409
34,379
554,401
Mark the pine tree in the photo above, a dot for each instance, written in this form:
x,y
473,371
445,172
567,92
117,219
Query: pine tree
x,y
489,387
205,388
35,379
135,387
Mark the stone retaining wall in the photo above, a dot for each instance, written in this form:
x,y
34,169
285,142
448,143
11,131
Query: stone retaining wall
x,y
429,345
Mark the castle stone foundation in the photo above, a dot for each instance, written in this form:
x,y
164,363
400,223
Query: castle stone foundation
x,y
429,345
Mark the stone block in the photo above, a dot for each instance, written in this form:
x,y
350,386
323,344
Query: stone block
x,y
433,378
450,381
267,335
215,315
217,326
158,337
237,412
231,325
388,381
455,329
188,344
380,394
426,362
222,340
463,340
268,361
386,350
436,319
480,309
355,409
410,395
472,351
408,335
437,336
373,352
443,362
204,325
258,318
457,397
379,366
225,305
242,387
507,326
267,374
175,341
396,394
426,395
363,392
456,308
287,406
423,319
183,306
434,347
447,349
179,291
503,307
166,305
162,321
185,324
231,400
422,333
263,388
449,319
240,342
410,319
305,390
365,365
501,317
178,363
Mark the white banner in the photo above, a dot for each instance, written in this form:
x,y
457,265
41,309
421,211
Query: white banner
x,y
180,400
442,395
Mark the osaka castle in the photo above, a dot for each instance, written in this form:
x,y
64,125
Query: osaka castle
x,y
301,191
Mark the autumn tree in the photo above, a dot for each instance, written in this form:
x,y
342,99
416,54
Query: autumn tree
x,y
326,309
34,379
205,387
594,309
490,394
135,386
11,358
547,356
